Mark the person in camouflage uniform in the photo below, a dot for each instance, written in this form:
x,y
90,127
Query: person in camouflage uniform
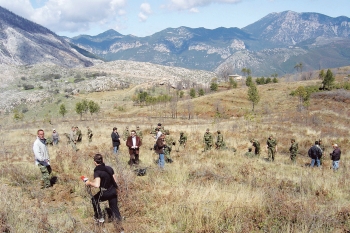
x,y
126,133
139,132
78,134
89,134
293,150
208,140
256,145
182,140
249,153
271,148
220,144
167,148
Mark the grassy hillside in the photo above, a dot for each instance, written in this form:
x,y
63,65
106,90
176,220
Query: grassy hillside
x,y
215,191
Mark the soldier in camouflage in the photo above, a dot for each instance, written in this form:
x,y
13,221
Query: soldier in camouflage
x,y
182,140
293,150
139,132
167,148
271,148
208,140
220,144
256,145
73,139
89,134
126,133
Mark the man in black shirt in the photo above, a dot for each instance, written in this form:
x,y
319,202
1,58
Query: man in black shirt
x,y
105,180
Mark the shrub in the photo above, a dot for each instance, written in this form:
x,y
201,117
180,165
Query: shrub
x,y
28,86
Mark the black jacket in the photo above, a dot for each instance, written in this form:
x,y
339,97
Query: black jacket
x,y
336,154
115,139
315,152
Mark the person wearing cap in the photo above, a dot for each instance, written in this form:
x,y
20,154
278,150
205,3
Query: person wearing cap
x,y
256,145
89,134
159,149
115,140
55,137
271,148
139,132
335,157
208,140
315,154
133,142
126,133
293,149
106,181
220,144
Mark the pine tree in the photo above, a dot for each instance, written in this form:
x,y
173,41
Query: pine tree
x,y
328,80
253,95
62,110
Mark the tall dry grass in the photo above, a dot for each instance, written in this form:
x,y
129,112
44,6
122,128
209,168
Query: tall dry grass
x,y
215,191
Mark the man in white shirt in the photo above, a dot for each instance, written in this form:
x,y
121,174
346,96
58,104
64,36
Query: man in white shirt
x,y
42,158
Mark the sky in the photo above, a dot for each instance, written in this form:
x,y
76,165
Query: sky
x,y
144,18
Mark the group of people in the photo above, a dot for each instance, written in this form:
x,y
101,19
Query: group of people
x,y
104,176
316,152
76,136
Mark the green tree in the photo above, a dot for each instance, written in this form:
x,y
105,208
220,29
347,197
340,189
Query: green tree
x,y
93,107
62,110
82,107
253,95
181,94
248,81
232,83
328,80
275,80
268,80
200,92
192,92
302,94
213,86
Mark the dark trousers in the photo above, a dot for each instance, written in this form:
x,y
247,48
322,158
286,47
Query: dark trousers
x,y
109,195
134,159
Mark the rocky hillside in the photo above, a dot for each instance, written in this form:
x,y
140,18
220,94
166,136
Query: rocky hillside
x,y
273,44
23,42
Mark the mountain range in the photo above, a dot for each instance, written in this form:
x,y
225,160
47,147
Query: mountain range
x,y
274,44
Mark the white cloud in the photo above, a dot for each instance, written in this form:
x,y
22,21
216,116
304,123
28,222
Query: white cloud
x,y
194,10
193,4
145,11
68,15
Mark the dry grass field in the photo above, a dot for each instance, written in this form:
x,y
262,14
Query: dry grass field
x,y
215,191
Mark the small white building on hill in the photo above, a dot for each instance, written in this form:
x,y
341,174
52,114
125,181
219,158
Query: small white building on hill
x,y
236,77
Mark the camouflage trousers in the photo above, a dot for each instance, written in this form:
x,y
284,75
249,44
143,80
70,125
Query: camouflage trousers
x,y
208,146
45,175
271,152
257,151
293,157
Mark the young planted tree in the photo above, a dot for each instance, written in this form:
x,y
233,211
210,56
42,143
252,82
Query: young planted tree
x,y
214,84
253,95
62,110
249,81
200,92
82,107
232,83
328,80
93,107
192,92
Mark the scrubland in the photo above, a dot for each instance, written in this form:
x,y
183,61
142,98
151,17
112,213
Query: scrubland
x,y
215,191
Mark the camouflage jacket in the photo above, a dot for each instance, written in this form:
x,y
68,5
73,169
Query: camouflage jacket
x,y
220,139
294,148
183,139
256,144
271,143
89,133
126,134
208,138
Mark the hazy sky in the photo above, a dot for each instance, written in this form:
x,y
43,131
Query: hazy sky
x,y
143,18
